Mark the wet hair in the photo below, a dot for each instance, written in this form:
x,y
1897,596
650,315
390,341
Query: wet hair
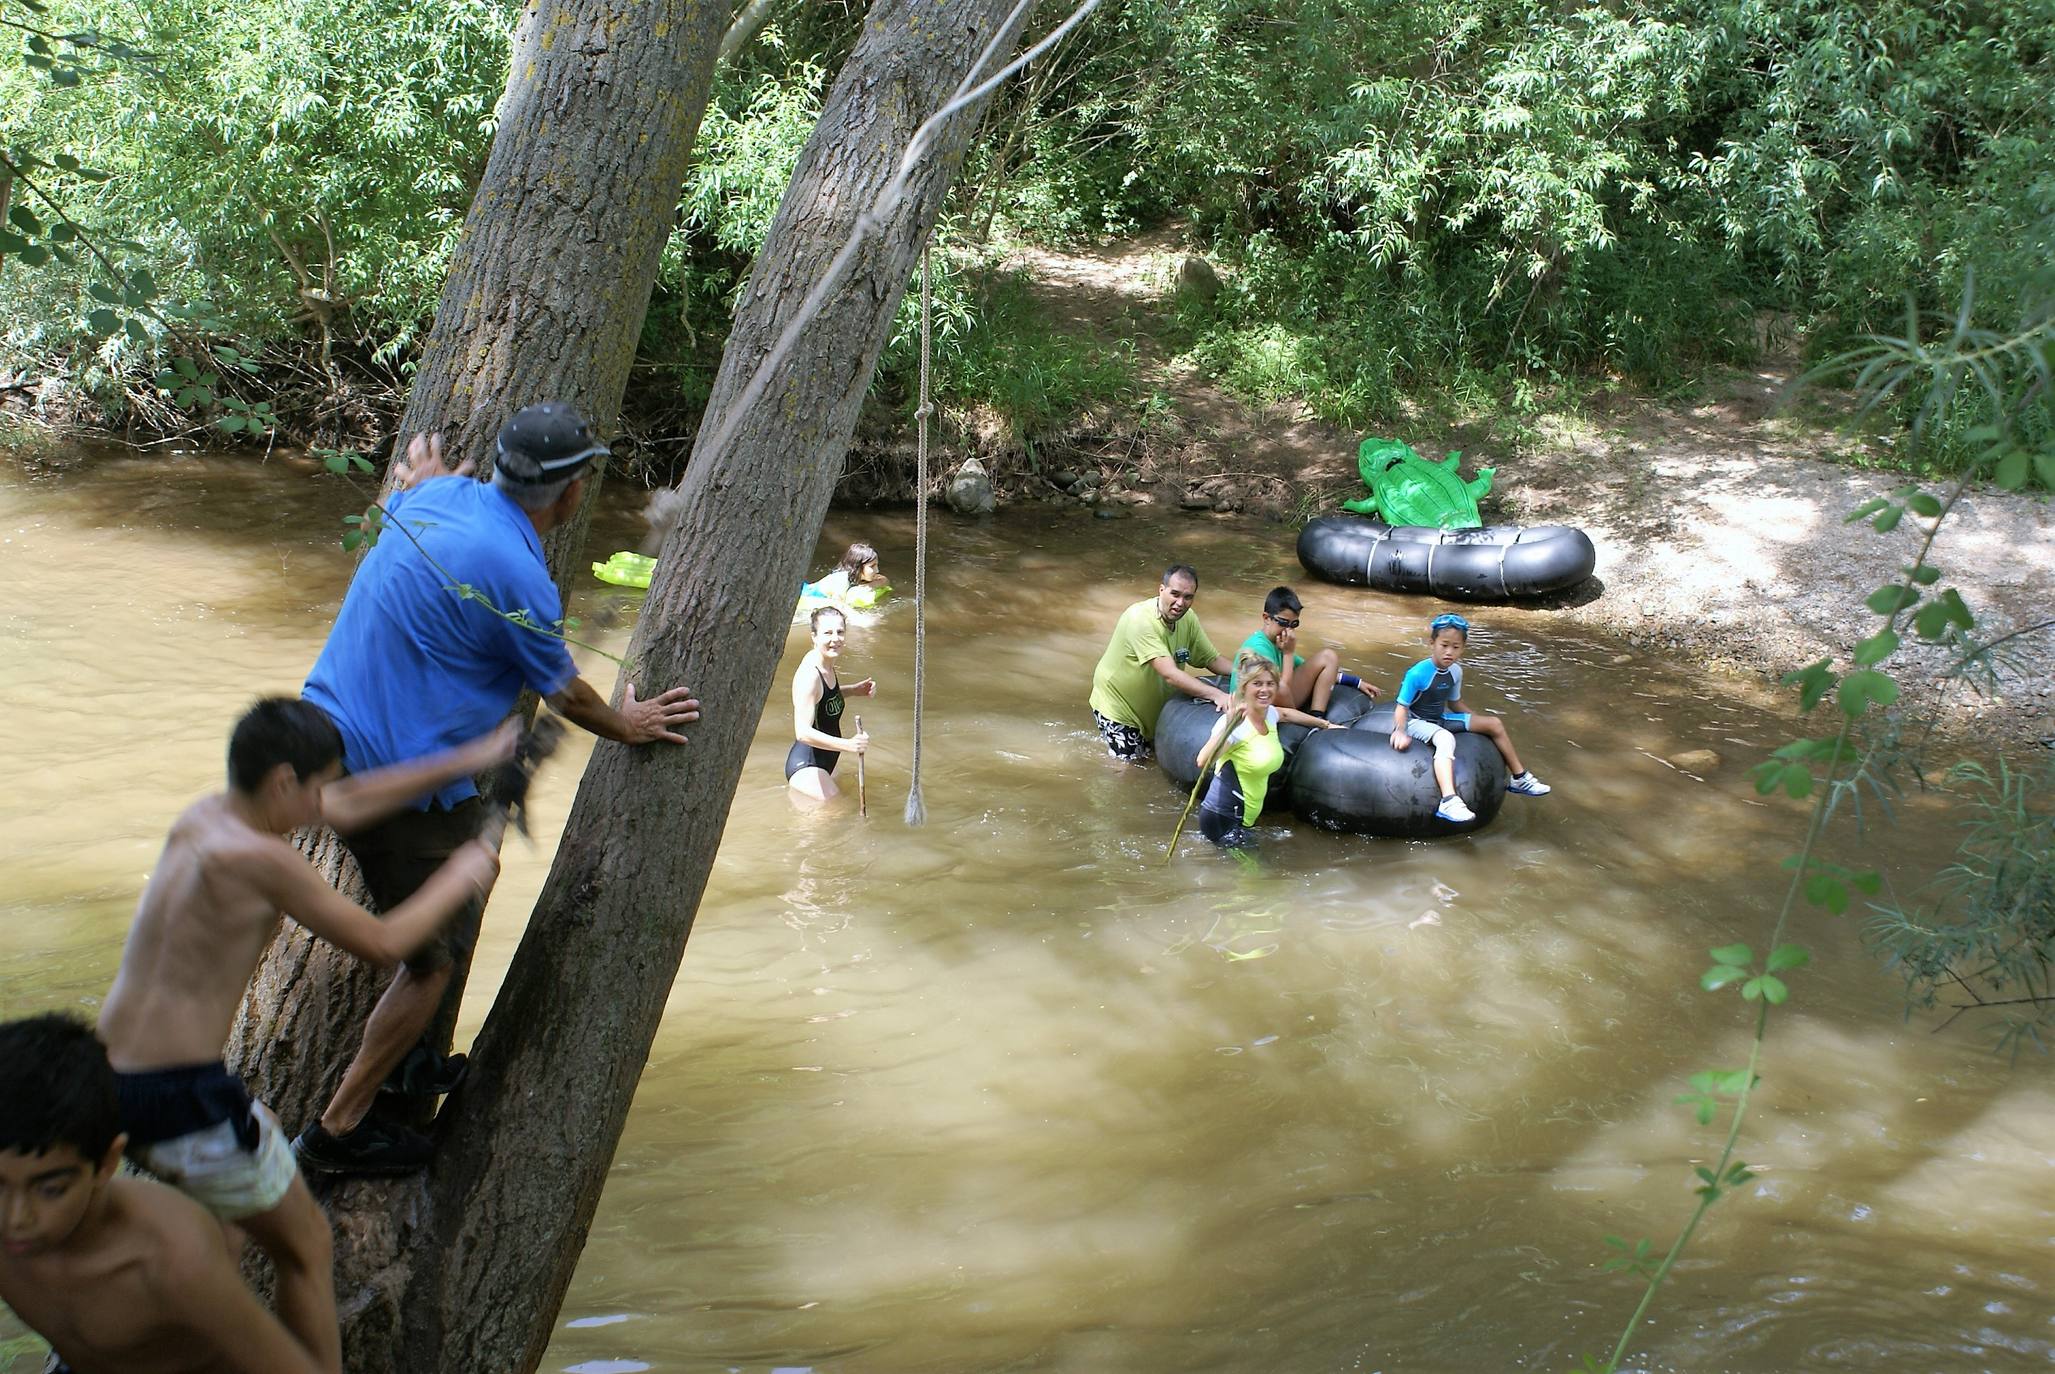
x,y
56,1088
1448,620
1250,664
813,622
1187,569
281,730
1282,599
858,557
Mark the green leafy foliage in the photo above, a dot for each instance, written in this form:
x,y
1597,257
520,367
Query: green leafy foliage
x,y
1412,194
1984,929
1991,936
280,160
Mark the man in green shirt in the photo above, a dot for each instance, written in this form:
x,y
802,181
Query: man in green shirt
x,y
1302,684
1146,661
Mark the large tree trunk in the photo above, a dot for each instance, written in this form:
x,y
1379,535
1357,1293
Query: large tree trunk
x,y
529,1139
545,301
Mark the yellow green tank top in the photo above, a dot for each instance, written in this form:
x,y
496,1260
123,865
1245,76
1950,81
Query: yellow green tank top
x,y
1255,757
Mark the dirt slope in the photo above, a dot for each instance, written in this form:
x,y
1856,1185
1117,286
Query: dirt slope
x,y
1718,522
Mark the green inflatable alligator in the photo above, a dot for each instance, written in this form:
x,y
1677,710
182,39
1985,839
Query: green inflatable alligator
x,y
1406,489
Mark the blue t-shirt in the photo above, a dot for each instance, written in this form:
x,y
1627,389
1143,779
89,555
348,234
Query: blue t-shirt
x,y
1427,690
412,667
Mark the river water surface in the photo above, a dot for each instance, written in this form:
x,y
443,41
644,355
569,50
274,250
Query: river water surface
x,y
1007,1093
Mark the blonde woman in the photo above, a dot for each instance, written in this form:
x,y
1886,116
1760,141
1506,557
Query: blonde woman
x,y
1246,743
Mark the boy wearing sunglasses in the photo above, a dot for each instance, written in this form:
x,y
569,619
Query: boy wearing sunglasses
x,y
1302,684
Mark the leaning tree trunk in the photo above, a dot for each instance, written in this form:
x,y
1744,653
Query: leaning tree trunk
x,y
544,301
531,1135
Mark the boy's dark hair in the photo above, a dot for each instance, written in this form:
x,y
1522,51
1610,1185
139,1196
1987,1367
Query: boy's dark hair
x,y
1282,599
281,730
859,556
56,1088
1175,568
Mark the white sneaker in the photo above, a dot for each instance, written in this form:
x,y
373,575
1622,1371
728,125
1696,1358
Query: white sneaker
x,y
1455,809
1527,785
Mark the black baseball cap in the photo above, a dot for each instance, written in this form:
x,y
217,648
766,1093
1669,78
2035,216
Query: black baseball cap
x,y
546,443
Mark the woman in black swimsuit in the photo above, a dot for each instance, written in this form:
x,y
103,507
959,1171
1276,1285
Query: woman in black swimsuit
x,y
817,711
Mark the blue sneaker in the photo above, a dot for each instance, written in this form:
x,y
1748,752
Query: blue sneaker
x,y
1527,785
1455,809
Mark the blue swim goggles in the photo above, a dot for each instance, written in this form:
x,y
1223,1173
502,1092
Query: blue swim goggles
x,y
1448,621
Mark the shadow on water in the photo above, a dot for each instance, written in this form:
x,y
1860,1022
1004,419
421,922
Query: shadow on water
x,y
1006,1092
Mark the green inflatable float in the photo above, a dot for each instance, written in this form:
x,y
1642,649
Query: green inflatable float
x,y
626,569
1406,489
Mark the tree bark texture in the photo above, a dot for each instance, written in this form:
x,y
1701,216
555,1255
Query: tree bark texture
x,y
528,1140
545,301
551,279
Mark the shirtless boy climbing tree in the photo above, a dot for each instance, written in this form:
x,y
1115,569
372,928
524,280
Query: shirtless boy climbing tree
x,y
211,906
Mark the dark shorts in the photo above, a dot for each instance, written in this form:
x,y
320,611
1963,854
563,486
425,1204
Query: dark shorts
x,y
804,755
1220,814
1226,830
195,1127
401,852
164,1104
1124,742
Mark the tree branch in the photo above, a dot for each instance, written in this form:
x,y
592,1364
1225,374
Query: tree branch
x,y
747,24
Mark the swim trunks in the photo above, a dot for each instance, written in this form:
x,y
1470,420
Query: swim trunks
x,y
1124,742
1425,730
196,1128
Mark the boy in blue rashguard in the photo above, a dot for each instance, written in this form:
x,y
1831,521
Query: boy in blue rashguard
x,y
1430,707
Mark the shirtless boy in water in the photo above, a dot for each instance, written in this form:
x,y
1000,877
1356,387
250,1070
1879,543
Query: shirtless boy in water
x,y
210,909
119,1275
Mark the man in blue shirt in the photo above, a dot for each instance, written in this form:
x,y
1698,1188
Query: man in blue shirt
x,y
452,613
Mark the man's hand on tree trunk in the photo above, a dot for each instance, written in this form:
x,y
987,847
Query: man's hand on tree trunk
x,y
637,722
425,460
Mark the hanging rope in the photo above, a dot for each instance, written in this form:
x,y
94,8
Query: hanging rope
x,y
916,811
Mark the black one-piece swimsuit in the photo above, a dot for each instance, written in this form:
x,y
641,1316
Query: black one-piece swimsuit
x,y
827,718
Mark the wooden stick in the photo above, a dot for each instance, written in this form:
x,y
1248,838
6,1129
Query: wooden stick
x,y
862,804
1199,782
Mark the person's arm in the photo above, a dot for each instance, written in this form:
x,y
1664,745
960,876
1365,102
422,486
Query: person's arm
x,y
352,803
1311,722
1399,716
637,722
866,688
292,885
220,1316
1410,686
1287,641
1166,668
1220,729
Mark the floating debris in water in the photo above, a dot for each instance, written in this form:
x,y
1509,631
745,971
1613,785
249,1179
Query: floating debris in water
x,y
609,1320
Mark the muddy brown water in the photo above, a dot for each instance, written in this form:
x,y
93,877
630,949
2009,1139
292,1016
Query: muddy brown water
x,y
1006,1093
